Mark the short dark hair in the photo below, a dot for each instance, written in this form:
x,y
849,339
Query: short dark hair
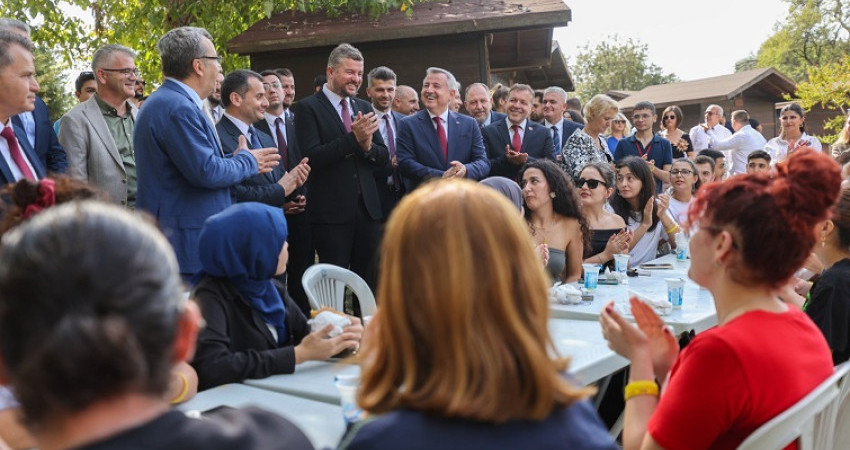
x,y
705,159
382,73
81,80
236,81
759,154
284,72
645,105
713,154
320,80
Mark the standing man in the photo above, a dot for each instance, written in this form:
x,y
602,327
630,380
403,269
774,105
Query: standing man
x,y
554,105
381,90
654,149
437,142
406,100
516,140
18,85
700,134
98,134
479,106
84,87
537,107
183,175
212,104
35,124
745,141
340,135
278,122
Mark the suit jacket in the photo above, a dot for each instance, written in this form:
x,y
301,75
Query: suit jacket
x,y
420,156
341,172
50,153
497,116
183,175
6,176
537,143
568,128
293,151
261,187
92,153
389,198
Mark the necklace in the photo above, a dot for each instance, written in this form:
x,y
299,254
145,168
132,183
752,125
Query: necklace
x,y
544,231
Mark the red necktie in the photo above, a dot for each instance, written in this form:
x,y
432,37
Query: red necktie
x,y
346,116
517,141
441,136
281,144
15,152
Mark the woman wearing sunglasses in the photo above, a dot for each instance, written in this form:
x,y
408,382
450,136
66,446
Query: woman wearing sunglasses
x,y
670,121
684,182
764,355
620,128
554,217
608,232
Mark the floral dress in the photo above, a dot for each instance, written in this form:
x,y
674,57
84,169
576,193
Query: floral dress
x,y
580,150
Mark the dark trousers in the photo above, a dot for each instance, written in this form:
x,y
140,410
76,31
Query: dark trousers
x,y
301,256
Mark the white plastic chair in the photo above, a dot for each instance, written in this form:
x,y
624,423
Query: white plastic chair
x,y
842,419
325,286
810,421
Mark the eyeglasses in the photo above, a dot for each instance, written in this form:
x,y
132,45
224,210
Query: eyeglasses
x,y
683,172
618,121
669,118
125,72
591,183
216,58
268,86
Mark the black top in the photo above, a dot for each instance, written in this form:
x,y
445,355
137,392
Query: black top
x,y
226,429
598,241
236,344
677,152
829,308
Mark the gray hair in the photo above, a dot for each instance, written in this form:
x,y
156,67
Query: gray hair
x,y
451,78
481,85
522,87
719,109
343,51
7,38
10,24
178,48
560,92
104,54
382,73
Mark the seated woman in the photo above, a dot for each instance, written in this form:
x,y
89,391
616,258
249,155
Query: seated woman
x,y
753,232
829,298
684,182
608,232
554,216
645,216
90,353
454,363
254,329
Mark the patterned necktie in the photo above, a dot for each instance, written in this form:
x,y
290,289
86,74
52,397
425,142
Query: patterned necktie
x,y
346,116
556,138
15,152
516,143
255,140
282,149
441,136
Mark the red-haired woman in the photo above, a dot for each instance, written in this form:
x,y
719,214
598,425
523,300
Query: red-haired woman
x,y
752,234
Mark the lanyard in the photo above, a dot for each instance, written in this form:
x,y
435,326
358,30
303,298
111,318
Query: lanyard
x,y
643,151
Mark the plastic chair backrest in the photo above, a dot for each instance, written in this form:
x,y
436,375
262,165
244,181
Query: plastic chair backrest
x,y
810,421
325,286
842,416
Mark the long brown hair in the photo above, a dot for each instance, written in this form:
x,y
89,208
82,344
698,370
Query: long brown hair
x,y
461,330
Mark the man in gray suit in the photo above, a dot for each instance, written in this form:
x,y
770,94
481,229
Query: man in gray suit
x,y
98,134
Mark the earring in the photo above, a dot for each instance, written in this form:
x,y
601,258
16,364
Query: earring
x,y
552,195
823,241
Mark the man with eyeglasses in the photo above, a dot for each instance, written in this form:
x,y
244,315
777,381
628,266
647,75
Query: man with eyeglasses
x,y
654,149
184,176
98,133
701,134
35,125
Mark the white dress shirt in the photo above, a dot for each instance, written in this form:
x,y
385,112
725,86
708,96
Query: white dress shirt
x,y
742,143
445,120
4,150
777,147
511,130
702,140
336,100
270,119
382,125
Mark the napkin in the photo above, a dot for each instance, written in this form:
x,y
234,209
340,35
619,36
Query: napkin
x,y
564,294
324,318
661,306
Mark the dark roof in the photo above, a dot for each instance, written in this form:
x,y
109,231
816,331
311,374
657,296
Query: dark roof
x,y
724,87
294,30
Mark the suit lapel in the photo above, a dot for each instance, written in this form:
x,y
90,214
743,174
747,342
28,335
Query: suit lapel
x,y
91,111
27,149
502,126
331,109
430,134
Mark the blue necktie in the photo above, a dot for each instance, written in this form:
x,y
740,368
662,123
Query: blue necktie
x,y
556,138
255,140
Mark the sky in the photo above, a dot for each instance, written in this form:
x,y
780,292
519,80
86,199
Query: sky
x,y
693,39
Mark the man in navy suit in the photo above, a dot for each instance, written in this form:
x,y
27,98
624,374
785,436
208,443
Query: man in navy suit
x,y
18,87
35,124
479,105
516,140
381,90
184,177
340,135
436,142
554,106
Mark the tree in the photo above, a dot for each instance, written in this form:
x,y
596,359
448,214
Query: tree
x,y
815,32
828,86
746,63
616,65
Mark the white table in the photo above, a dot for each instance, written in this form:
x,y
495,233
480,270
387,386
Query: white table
x,y
697,312
313,380
322,423
590,358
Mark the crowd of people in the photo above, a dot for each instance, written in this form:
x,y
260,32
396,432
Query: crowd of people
x,y
247,188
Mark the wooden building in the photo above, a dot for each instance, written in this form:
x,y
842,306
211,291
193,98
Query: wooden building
x,y
477,40
757,91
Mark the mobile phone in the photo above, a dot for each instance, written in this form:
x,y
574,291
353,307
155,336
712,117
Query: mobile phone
x,y
650,266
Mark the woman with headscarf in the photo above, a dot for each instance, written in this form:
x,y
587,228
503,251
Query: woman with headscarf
x,y
254,329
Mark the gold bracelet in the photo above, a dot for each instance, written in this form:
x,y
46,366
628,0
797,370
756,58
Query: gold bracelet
x,y
184,391
642,387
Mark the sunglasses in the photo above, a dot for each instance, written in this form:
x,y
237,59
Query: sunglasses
x,y
619,121
592,184
669,118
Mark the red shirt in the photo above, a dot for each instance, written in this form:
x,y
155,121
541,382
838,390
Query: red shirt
x,y
732,379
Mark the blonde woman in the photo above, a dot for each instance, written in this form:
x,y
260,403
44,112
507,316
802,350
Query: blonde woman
x,y
589,145
461,355
620,128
